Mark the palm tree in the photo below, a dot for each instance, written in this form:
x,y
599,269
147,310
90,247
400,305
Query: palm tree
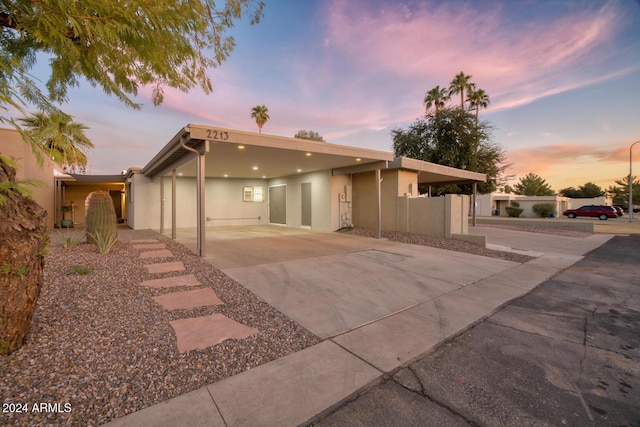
x,y
436,97
61,138
459,84
478,98
261,114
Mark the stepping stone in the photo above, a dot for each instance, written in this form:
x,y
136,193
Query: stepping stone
x,y
165,267
133,242
188,299
202,332
150,246
162,253
172,282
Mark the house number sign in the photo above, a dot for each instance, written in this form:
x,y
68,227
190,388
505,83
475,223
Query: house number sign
x,y
217,135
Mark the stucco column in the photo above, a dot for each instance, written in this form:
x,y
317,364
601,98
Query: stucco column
x,y
473,203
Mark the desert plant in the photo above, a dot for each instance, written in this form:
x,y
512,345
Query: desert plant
x,y
79,269
514,210
100,218
544,209
104,242
69,239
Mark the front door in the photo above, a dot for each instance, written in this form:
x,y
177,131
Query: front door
x,y
278,204
305,192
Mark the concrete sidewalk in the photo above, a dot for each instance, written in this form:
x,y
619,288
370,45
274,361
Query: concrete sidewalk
x,y
379,305
567,353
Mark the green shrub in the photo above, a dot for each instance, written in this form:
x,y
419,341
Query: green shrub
x,y
79,269
514,211
544,210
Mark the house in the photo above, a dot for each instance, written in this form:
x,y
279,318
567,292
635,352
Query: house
x,y
494,204
207,176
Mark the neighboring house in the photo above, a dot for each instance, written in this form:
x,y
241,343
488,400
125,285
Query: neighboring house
x,y
494,204
13,146
62,195
206,177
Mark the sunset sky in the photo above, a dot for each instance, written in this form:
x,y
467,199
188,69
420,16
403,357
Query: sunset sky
x,y
563,77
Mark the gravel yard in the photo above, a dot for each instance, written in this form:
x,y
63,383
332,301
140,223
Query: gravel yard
x,y
100,347
442,243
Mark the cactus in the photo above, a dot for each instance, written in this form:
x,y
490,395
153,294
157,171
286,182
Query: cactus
x,y
100,218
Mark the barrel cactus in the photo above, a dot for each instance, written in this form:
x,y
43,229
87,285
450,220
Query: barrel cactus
x,y
100,217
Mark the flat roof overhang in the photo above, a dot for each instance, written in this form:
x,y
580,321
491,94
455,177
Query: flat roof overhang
x,y
428,173
78,179
239,154
434,174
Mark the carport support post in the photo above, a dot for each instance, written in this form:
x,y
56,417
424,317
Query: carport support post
x,y
161,205
173,204
201,218
379,207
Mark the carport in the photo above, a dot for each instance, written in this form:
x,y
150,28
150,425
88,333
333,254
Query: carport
x,y
318,176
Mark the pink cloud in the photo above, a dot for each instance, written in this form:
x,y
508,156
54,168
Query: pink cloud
x,y
516,65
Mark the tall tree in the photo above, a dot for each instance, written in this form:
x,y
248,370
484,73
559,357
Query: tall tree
x,y
533,185
459,84
261,114
478,99
119,46
61,138
451,138
587,190
620,192
310,135
436,98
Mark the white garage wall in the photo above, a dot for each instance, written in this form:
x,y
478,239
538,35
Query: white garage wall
x,y
224,203
320,199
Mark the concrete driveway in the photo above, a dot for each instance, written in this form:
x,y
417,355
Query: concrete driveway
x,y
380,305
333,283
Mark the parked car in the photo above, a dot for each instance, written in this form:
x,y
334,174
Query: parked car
x,y
602,212
618,210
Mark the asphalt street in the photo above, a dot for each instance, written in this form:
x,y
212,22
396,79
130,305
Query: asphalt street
x,y
565,354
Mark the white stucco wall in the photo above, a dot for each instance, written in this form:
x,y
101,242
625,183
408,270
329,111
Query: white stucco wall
x,y
13,146
224,204
322,199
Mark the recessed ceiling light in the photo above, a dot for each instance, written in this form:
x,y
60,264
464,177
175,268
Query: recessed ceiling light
x,y
358,159
308,154
240,147
255,168
264,176
299,170
226,175
180,174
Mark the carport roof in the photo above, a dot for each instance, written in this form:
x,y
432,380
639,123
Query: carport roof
x,y
239,154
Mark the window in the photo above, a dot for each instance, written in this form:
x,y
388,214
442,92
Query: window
x,y
252,194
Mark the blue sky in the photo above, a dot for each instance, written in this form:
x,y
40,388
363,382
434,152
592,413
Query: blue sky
x,y
563,77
